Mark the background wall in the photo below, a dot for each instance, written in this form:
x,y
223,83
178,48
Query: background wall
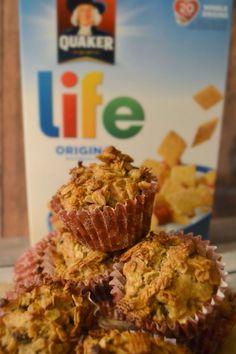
x,y
13,208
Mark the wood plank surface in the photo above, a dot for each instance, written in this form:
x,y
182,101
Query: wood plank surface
x,y
225,200
13,208
1,115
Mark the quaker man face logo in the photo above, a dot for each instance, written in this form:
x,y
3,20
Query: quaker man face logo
x,y
84,38
86,13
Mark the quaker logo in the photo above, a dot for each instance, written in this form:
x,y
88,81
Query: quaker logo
x,y
186,11
86,29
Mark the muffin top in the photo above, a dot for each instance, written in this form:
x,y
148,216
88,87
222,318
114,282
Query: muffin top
x,y
113,341
167,278
75,262
45,319
112,181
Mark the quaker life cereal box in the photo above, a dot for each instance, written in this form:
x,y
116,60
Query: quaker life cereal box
x,y
145,76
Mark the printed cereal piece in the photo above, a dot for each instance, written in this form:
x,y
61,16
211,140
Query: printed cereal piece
x,y
170,187
208,97
208,179
205,131
172,148
184,175
206,195
180,219
162,209
163,214
160,201
160,169
184,202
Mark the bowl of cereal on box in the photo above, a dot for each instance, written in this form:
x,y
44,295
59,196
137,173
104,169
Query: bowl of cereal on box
x,y
186,191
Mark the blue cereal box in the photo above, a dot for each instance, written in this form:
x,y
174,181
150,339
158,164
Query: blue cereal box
x,y
147,77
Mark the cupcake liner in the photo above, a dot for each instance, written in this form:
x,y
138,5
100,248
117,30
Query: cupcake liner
x,y
35,266
219,325
98,286
109,318
110,229
193,324
101,293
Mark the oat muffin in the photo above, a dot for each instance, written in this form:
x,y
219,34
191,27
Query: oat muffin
x,y
168,283
108,206
46,319
60,257
76,264
115,342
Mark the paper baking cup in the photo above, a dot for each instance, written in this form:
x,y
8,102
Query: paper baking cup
x,y
35,266
109,318
110,229
210,339
193,324
97,286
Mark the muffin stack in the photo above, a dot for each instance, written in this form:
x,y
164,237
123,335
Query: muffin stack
x,y
101,282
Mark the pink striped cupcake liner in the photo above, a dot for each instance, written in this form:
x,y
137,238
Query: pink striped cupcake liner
x,y
35,266
218,326
110,229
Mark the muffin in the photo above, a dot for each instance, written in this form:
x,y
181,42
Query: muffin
x,y
80,266
46,319
107,206
60,256
168,283
112,342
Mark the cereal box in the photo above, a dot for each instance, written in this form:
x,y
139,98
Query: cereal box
x,y
147,77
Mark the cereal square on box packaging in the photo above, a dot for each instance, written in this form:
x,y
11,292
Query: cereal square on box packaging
x,y
172,148
208,97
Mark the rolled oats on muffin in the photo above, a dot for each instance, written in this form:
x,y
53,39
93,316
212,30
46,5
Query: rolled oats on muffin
x,y
169,283
60,257
107,206
46,319
114,341
81,266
